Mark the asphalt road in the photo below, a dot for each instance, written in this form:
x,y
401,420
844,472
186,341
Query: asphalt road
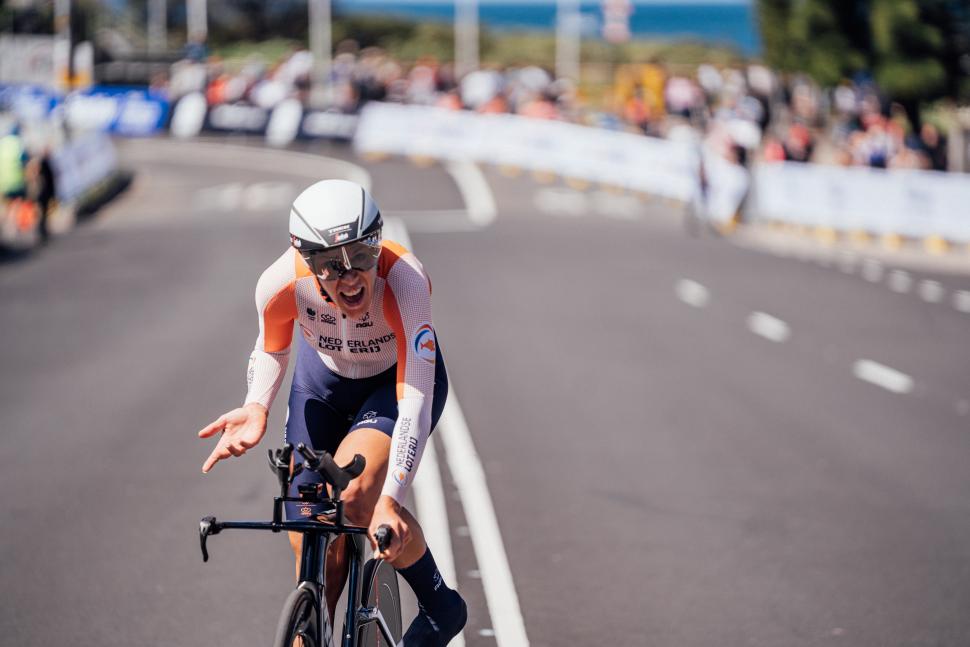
x,y
681,437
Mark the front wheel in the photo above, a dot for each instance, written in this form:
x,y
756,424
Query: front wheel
x,y
380,580
299,624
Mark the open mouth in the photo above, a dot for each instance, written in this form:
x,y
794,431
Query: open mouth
x,y
353,298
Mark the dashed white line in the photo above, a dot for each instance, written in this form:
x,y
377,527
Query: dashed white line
x,y
771,328
900,281
561,202
872,270
622,207
931,291
882,376
692,293
961,300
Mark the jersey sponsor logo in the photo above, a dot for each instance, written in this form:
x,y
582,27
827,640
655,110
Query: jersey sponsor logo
x,y
354,345
365,322
424,343
369,345
369,418
401,477
311,314
406,452
330,343
328,319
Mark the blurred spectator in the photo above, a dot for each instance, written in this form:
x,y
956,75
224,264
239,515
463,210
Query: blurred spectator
x,y
13,159
741,112
934,146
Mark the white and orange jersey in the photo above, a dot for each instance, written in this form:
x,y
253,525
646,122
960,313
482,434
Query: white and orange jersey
x,y
397,329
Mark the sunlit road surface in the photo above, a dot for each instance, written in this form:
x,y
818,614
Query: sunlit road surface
x,y
686,442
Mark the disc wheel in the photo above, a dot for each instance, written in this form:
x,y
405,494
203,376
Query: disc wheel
x,y
380,580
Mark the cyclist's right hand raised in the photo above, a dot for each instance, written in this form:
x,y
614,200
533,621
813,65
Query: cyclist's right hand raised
x,y
241,428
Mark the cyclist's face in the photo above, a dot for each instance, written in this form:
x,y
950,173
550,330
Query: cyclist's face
x,y
352,292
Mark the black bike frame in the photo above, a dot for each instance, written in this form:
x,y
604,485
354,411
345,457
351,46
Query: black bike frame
x,y
317,536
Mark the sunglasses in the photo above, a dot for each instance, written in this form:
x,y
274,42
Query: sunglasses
x,y
331,264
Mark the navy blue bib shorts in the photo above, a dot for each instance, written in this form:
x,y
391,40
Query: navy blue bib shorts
x,y
324,407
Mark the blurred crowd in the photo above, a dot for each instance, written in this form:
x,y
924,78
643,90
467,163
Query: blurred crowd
x,y
745,114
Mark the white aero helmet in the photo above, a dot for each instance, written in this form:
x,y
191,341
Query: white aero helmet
x,y
331,213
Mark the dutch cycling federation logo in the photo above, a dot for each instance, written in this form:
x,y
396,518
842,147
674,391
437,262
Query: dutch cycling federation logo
x,y
424,343
400,476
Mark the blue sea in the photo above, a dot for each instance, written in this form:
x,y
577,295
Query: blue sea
x,y
726,22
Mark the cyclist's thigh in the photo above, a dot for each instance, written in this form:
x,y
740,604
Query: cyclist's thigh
x,y
379,410
315,423
361,495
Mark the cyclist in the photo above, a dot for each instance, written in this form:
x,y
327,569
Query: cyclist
x,y
369,379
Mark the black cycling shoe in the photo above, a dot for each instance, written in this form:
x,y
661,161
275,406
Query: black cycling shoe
x,y
425,632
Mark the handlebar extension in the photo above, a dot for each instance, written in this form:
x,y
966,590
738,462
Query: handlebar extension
x,y
323,464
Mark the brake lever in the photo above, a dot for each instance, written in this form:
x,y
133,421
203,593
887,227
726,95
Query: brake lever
x,y
208,526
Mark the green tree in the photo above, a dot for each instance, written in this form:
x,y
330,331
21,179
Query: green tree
x,y
907,52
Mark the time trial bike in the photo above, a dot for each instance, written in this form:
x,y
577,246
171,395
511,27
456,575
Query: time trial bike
x,y
373,615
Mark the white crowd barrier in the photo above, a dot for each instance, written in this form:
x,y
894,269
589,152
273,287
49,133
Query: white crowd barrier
x,y
82,164
917,204
635,162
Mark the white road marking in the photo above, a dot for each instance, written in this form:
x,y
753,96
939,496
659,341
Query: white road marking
x,y
692,293
488,633
468,474
623,207
432,512
475,191
900,281
872,270
961,300
771,328
429,493
931,291
561,202
883,376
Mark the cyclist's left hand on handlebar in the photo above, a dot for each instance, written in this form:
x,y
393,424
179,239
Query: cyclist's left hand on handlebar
x,y
388,512
241,429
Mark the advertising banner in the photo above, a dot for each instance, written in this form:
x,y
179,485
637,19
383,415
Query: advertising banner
x,y
237,118
82,164
28,102
911,203
660,167
132,112
27,59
